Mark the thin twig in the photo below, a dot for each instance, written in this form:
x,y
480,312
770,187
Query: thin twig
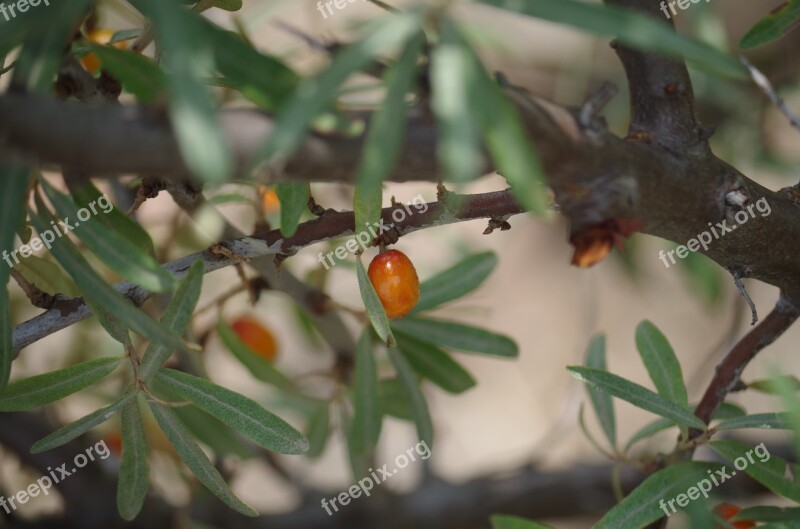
x,y
764,84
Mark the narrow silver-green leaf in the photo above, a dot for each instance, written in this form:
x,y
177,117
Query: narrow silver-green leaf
x,y
435,364
661,363
368,415
237,411
139,74
375,310
134,468
601,402
315,94
455,282
764,513
629,27
294,201
778,421
394,401
75,429
385,136
43,389
453,73
773,472
47,276
458,336
318,430
119,254
13,187
92,285
196,460
416,400
258,366
190,56
637,395
642,505
773,26
176,318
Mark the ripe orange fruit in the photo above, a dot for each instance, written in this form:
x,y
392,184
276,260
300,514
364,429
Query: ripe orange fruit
x,y
727,511
257,337
90,61
269,199
395,280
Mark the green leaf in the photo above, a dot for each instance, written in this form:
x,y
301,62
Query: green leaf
x,y
258,366
43,389
205,429
47,276
773,26
134,468
368,415
457,336
45,41
138,74
93,286
190,55
176,318
455,282
375,311
237,411
507,142
769,514
318,430
385,136
641,506
513,522
767,386
416,400
637,395
629,27
13,189
768,469
725,411
435,364
601,401
262,79
85,193
453,73
196,460
315,95
760,420
394,401
75,429
294,201
661,363
109,321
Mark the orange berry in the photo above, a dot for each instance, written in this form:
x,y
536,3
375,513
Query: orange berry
x,y
727,511
257,337
395,280
113,441
90,61
269,199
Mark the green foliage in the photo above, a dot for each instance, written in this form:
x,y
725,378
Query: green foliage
x,y
258,366
134,479
368,415
661,363
375,311
455,282
294,202
773,26
601,401
464,338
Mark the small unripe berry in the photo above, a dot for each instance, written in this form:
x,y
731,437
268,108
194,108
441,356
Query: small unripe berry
x,y
257,337
394,278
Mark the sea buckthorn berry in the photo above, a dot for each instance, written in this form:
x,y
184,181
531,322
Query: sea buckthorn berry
x,y
726,511
90,61
269,199
395,280
257,337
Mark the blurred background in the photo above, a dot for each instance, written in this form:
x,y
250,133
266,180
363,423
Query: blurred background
x,y
522,412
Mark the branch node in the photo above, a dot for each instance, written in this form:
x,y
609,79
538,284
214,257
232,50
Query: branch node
x,y
497,224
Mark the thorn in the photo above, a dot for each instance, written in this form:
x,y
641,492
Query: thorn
x,y
596,103
737,280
